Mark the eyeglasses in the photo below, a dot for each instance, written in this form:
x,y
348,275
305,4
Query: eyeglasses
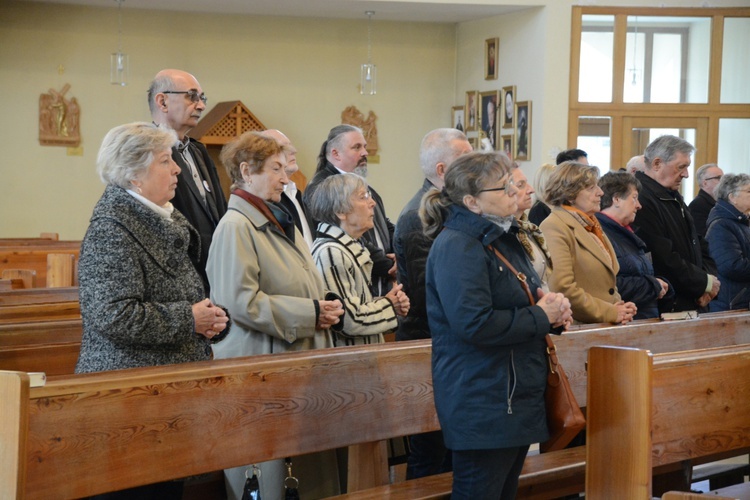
x,y
506,188
192,94
366,195
714,178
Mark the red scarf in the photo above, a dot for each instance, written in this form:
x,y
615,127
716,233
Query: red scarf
x,y
259,204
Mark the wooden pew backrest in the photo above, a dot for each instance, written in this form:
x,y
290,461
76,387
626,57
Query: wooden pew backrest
x,y
647,410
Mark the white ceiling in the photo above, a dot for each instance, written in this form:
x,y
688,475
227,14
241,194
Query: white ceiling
x,y
437,11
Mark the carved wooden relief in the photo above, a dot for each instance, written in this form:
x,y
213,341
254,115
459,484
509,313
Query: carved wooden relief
x,y
59,119
353,116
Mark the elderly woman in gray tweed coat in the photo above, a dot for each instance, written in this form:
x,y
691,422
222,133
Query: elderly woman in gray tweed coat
x,y
142,301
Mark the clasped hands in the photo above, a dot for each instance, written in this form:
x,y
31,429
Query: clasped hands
x,y
557,308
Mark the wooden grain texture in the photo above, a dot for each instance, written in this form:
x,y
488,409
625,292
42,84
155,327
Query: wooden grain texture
x,y
686,405
38,296
53,311
619,393
709,330
34,257
14,392
60,269
153,424
41,332
52,359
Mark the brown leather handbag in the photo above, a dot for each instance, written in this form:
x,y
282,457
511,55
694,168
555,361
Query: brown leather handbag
x,y
564,417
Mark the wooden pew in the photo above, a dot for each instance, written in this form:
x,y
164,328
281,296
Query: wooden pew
x,y
559,473
43,346
44,238
39,304
27,277
649,411
7,284
34,257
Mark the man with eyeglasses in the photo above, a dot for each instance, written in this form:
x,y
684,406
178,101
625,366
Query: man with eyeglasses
x,y
176,100
708,176
664,223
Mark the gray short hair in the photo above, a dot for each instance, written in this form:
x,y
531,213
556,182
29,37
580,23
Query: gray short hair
x,y
617,184
333,196
437,147
702,172
665,147
128,150
730,184
158,85
540,180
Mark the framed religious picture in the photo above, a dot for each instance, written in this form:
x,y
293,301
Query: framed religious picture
x,y
506,143
457,118
523,131
509,104
487,115
491,46
471,111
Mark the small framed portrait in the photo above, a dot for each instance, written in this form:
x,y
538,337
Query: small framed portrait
x,y
457,118
488,115
509,106
523,131
471,111
506,143
491,46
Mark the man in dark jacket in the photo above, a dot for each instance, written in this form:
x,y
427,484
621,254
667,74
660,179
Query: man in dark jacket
x,y
176,100
708,176
666,226
428,454
345,150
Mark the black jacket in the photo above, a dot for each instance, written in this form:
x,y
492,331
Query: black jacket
x,y
412,247
666,226
187,199
700,207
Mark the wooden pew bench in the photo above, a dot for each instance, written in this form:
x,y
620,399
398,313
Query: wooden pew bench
x,y
649,411
35,258
44,346
544,476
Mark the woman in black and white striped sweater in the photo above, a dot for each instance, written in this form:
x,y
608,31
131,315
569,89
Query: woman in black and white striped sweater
x,y
345,208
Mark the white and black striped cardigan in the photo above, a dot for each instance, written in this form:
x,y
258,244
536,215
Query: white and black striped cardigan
x,y
346,267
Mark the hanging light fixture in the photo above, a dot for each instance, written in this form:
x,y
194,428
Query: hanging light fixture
x,y
118,62
634,69
369,71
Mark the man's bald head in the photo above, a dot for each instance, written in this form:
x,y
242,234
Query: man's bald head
x,y
289,149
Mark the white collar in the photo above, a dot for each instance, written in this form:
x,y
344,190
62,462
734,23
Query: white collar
x,y
164,212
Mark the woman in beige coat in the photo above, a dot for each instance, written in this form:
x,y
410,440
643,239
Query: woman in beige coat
x,y
261,268
584,263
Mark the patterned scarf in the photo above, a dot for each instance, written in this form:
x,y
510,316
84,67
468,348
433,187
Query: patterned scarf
x,y
526,229
591,224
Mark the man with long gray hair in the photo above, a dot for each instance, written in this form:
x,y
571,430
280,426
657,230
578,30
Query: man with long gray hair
x,y
345,150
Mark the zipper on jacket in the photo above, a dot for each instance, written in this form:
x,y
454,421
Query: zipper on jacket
x,y
511,391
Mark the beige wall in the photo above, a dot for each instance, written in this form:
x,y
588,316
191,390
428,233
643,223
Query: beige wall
x,y
293,74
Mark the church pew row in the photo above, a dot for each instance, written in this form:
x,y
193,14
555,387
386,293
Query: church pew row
x,y
42,239
35,258
649,410
545,476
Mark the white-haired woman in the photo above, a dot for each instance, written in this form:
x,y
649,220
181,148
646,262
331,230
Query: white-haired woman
x,y
343,205
142,301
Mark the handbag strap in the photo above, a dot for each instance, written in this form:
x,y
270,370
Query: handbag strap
x,y
520,276
551,348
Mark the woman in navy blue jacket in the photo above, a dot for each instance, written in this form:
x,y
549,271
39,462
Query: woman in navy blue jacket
x,y
728,238
488,363
635,279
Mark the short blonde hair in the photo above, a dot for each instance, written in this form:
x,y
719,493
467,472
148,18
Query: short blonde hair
x,y
569,179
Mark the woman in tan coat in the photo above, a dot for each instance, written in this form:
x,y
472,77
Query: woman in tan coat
x,y
584,263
